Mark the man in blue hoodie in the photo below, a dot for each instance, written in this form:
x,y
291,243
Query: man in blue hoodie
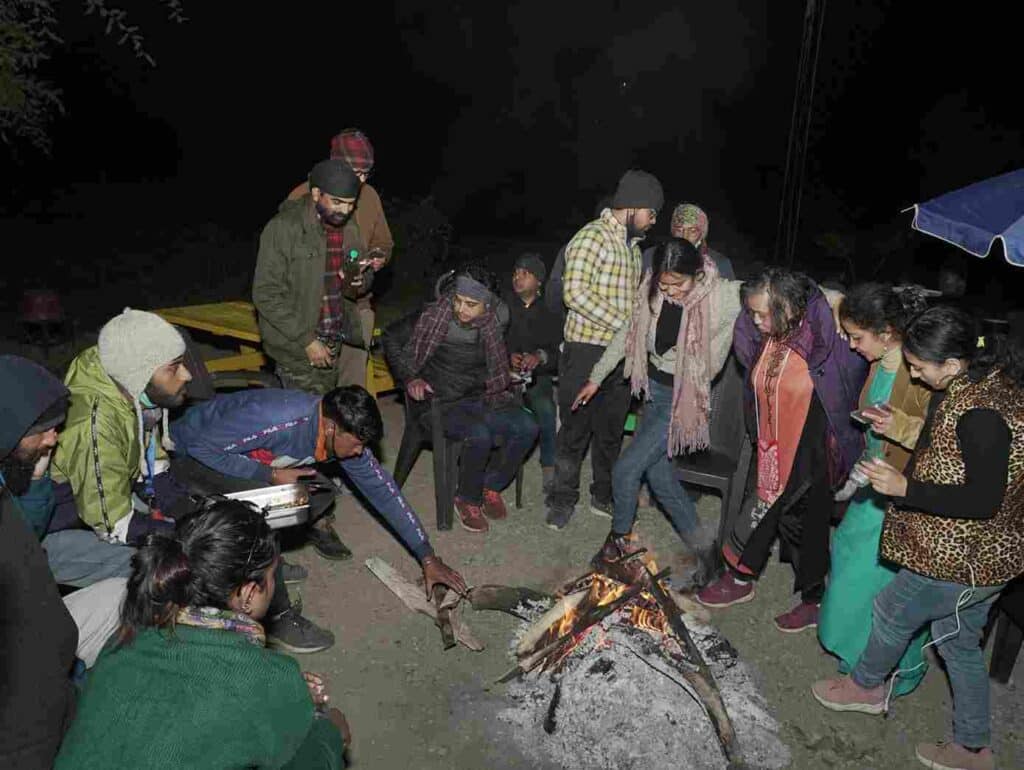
x,y
256,438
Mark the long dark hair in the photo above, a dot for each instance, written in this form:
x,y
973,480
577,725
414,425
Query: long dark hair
x,y
878,307
941,333
676,255
214,552
789,293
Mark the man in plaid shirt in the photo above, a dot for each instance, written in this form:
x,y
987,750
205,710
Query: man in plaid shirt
x,y
602,274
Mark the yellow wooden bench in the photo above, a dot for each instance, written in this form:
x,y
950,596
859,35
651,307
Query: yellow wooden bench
x,y
237,321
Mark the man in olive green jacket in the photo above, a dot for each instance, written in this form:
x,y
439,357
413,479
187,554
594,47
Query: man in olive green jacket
x,y
301,271
293,278
353,147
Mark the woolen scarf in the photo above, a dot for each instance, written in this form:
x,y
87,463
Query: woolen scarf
x,y
688,429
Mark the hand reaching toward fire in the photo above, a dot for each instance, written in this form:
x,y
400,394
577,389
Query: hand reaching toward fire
x,y
436,572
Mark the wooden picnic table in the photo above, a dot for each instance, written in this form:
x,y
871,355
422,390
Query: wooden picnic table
x,y
237,321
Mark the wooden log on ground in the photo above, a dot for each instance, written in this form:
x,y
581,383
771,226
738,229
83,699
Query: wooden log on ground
x,y
412,596
701,679
503,598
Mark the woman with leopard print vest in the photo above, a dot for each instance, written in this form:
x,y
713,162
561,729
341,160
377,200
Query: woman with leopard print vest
x,y
955,527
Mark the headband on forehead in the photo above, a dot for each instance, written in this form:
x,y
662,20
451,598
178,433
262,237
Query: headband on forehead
x,y
472,288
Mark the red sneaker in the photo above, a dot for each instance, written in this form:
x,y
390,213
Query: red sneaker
x,y
725,592
843,694
471,517
800,618
494,506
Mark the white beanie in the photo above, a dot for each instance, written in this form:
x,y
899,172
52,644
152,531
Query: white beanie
x,y
134,344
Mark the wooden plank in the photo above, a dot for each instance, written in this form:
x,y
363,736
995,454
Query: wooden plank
x,y
246,361
230,319
412,596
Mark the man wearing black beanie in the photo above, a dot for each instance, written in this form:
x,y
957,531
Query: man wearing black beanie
x,y
303,262
602,274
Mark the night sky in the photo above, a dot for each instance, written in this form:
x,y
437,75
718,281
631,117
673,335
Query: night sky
x,y
519,117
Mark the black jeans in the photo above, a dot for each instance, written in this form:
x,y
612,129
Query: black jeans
x,y
204,481
483,464
603,418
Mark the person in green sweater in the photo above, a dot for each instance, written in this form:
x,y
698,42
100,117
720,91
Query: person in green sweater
x,y
189,681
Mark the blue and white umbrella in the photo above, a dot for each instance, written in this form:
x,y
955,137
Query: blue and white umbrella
x,y
975,216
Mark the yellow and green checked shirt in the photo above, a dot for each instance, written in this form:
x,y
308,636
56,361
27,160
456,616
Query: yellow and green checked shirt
x,y
602,273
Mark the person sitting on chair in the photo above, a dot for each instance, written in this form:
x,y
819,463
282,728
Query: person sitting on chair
x,y
454,351
534,334
264,436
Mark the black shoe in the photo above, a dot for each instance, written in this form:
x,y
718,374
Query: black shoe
x,y
328,544
293,633
559,515
293,573
600,507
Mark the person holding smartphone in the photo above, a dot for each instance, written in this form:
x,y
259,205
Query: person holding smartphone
x,y
892,408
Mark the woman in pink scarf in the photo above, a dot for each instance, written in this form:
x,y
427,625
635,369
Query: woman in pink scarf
x,y
674,345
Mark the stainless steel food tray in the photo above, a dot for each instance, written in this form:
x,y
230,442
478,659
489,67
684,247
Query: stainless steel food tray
x,y
285,505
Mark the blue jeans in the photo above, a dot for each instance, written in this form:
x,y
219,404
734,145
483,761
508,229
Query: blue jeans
x,y
480,464
540,398
900,610
647,455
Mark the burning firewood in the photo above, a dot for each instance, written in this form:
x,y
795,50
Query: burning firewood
x,y
550,640
702,680
539,628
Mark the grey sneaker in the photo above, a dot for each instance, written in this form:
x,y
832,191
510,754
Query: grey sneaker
x,y
558,516
600,507
293,633
293,573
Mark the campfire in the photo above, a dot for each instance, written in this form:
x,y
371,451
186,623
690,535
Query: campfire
x,y
613,674
643,605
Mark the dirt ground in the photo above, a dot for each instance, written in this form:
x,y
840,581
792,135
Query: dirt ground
x,y
412,704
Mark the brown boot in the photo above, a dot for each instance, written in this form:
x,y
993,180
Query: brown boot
x,y
611,561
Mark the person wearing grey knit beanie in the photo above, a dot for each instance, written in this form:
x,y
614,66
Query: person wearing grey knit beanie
x,y
143,354
121,392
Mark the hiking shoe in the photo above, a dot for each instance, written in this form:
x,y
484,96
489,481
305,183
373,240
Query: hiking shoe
x,y
293,573
494,506
843,694
558,516
726,591
548,474
953,756
800,618
471,517
293,633
327,543
600,507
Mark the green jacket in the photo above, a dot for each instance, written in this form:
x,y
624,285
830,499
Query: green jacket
x,y
117,434
288,286
197,698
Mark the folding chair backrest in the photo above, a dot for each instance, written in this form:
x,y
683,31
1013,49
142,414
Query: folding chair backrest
x,y
728,427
